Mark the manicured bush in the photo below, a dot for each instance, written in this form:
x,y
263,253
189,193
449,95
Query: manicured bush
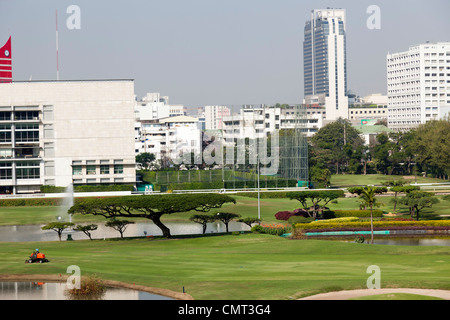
x,y
284,215
257,229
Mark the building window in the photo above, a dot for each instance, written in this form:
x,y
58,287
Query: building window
x,y
27,136
27,173
5,174
118,168
5,136
26,115
104,169
91,170
77,170
5,115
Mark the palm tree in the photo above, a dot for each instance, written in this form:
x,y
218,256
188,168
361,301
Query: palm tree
x,y
368,198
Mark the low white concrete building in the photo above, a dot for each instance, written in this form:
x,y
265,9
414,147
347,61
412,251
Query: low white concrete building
x,y
63,132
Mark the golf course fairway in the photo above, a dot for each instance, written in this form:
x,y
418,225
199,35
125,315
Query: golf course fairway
x,y
244,266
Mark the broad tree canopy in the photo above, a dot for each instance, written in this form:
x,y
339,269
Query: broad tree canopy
x,y
316,198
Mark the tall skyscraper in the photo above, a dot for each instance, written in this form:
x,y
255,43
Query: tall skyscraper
x,y
324,60
6,62
418,85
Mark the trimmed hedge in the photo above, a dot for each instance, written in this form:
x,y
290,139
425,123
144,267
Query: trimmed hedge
x,y
377,224
330,214
339,220
265,194
30,202
88,188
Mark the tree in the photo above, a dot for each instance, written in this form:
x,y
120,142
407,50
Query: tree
x,y
59,227
418,200
430,148
322,176
226,217
118,225
145,159
316,197
333,144
398,189
249,221
202,219
86,229
368,197
151,207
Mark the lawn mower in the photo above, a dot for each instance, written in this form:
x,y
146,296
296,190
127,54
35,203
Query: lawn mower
x,y
37,257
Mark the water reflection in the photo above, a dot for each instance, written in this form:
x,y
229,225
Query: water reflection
x,y
55,291
414,242
34,233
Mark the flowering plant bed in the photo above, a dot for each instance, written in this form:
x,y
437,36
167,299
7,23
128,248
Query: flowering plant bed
x,y
387,225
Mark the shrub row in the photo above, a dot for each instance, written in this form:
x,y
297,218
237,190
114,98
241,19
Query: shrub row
x,y
103,188
375,228
339,220
88,188
376,224
32,202
265,194
273,229
329,214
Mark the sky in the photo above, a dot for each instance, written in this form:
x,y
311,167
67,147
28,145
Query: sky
x,y
209,52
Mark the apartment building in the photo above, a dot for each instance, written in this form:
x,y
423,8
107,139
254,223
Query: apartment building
x,y
418,84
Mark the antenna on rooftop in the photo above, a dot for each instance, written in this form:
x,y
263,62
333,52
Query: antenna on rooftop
x,y
57,58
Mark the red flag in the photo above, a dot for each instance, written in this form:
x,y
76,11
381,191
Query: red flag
x,y
6,62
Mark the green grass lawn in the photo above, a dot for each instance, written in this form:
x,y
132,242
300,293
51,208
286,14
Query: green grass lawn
x,y
249,266
245,206
345,180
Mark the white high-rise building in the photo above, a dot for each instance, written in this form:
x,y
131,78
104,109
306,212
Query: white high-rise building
x,y
324,59
214,116
418,84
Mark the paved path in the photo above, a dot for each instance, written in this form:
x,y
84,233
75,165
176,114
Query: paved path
x,y
348,294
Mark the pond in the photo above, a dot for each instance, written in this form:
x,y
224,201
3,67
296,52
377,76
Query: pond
x,y
25,233
55,291
414,241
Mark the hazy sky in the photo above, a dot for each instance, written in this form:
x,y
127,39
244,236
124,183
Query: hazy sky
x,y
202,52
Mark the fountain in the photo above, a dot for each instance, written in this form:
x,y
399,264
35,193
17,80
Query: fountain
x,y
66,203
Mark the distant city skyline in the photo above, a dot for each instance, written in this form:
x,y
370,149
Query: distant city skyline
x,y
200,52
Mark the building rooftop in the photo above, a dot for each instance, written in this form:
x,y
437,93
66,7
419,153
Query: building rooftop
x,y
373,129
178,119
